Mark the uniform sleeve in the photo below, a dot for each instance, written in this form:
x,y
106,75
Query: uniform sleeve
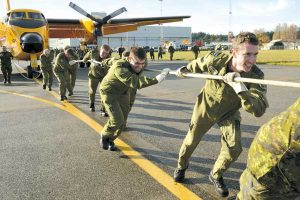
x,y
61,62
87,56
199,65
145,81
107,63
254,100
133,80
43,61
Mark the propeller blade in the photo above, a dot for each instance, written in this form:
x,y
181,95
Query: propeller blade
x,y
83,12
114,14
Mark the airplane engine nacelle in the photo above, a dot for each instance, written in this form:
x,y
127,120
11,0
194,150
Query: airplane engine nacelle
x,y
31,43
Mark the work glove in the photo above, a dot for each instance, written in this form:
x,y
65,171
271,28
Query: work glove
x,y
162,76
72,62
97,63
237,86
180,71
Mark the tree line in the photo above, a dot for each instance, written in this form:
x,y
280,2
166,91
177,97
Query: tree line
x,y
284,32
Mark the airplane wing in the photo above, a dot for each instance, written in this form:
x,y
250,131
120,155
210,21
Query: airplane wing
x,y
66,28
131,24
91,27
86,28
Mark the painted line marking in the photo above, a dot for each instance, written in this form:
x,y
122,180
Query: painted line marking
x,y
177,189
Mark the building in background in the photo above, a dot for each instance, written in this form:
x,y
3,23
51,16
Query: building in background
x,y
148,36
144,36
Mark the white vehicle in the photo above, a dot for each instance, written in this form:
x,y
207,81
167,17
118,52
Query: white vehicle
x,y
274,44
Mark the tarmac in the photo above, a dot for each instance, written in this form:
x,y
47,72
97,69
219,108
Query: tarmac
x,y
50,149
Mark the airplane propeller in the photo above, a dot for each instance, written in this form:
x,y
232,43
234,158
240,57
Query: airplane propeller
x,y
98,22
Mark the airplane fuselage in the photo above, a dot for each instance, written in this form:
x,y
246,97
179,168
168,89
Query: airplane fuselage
x,y
26,33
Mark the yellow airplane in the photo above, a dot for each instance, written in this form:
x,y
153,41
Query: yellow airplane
x,y
26,32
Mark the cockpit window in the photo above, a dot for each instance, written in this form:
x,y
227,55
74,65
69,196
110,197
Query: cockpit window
x,y
34,15
17,15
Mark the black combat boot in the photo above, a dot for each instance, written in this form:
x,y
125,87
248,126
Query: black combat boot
x,y
111,146
63,98
9,82
5,80
92,107
70,93
44,87
220,186
179,175
104,142
50,88
103,112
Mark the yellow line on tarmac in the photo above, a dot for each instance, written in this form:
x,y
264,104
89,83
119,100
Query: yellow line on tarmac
x,y
155,172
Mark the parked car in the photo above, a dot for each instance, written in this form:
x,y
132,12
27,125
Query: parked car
x,y
147,48
273,45
185,47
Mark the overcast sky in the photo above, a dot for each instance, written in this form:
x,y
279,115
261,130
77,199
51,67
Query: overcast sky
x,y
210,16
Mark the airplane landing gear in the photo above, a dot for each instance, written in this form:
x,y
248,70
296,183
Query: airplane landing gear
x,y
29,71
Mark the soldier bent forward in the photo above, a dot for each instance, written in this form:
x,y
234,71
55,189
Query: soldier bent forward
x,y
47,68
219,102
114,91
96,73
62,62
273,166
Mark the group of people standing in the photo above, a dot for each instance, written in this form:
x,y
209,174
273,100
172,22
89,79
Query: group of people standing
x,y
171,50
273,166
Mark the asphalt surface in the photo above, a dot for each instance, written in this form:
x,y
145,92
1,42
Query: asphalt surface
x,y
48,153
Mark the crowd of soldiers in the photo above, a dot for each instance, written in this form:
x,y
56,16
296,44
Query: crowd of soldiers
x,y
273,166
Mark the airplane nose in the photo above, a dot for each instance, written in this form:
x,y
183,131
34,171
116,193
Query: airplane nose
x,y
31,43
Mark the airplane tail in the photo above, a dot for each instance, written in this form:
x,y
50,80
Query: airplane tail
x,y
7,5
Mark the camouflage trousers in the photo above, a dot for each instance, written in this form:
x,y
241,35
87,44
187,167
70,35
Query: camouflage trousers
x,y
201,122
6,72
72,73
251,189
63,80
93,85
47,77
117,107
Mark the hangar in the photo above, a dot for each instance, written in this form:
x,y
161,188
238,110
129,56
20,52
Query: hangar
x,y
144,36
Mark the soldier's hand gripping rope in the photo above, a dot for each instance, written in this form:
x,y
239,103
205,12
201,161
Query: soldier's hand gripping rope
x,y
237,86
181,73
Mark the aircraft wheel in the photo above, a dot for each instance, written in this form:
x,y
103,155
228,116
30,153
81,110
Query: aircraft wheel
x,y
29,72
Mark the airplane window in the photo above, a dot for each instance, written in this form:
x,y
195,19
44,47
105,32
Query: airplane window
x,y
34,15
17,15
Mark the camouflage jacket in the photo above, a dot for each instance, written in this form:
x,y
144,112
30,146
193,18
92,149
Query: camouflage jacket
x,y
222,101
62,63
46,62
121,77
5,58
274,155
96,70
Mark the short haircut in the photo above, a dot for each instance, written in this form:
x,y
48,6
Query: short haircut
x,y
70,52
244,37
66,47
105,47
138,52
125,54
